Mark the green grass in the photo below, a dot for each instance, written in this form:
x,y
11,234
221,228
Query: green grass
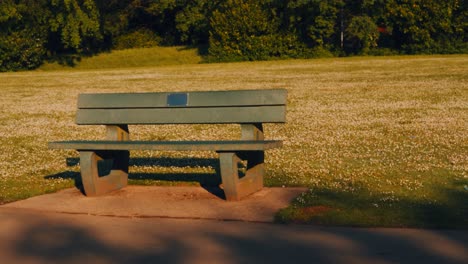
x,y
142,57
379,141
365,208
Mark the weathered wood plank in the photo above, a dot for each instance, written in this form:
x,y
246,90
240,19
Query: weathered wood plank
x,y
193,99
216,115
234,145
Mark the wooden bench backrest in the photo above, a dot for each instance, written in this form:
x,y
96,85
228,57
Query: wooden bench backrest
x,y
210,107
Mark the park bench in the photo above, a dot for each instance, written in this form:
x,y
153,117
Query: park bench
x,y
249,108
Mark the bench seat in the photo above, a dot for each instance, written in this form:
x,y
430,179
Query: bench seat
x,y
229,146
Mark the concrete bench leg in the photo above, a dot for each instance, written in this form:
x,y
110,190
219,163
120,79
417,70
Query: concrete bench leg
x,y
236,188
94,184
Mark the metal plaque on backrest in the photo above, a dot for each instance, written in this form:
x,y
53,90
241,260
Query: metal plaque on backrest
x,y
177,99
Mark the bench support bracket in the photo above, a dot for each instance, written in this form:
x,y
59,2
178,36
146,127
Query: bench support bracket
x,y
236,187
93,183
117,132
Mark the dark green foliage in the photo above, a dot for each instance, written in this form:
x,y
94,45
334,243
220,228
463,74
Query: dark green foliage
x,y
19,50
313,20
244,30
421,26
240,30
31,31
75,22
230,30
362,33
193,21
22,35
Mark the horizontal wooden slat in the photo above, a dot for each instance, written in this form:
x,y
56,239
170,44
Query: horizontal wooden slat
x,y
237,145
216,115
194,99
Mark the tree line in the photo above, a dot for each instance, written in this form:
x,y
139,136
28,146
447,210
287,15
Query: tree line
x,y
34,31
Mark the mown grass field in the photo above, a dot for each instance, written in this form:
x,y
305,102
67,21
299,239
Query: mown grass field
x,y
379,141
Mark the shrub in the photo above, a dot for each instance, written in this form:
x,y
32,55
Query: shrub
x,y
240,30
243,30
21,50
362,33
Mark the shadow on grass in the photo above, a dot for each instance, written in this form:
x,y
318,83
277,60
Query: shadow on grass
x,y
208,181
72,60
367,209
162,161
69,60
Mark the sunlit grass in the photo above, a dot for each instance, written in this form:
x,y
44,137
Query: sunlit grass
x,y
143,57
373,138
